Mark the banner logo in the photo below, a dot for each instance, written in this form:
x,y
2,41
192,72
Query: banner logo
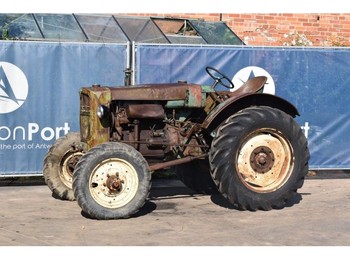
x,y
13,87
249,72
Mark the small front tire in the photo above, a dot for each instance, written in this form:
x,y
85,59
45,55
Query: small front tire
x,y
111,181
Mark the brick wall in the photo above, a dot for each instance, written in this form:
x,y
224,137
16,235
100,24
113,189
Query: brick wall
x,y
282,29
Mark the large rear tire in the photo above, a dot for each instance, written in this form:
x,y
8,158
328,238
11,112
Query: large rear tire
x,y
59,164
111,181
259,158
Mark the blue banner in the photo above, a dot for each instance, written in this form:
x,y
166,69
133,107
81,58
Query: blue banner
x,y
40,81
39,95
315,80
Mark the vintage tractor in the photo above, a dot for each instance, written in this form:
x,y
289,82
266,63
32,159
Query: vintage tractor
x,y
243,144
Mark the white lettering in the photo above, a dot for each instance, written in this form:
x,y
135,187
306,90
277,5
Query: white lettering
x,y
31,131
5,146
42,146
19,146
50,131
66,129
8,132
33,128
19,128
306,129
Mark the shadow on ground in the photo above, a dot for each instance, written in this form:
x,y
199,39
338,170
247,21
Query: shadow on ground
x,y
39,180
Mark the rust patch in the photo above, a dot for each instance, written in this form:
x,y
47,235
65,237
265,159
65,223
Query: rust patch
x,y
154,111
194,97
91,130
160,92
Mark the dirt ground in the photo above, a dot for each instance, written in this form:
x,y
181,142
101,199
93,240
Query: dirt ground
x,y
175,216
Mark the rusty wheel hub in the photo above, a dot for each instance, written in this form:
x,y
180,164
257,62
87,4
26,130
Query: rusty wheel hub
x,y
114,183
67,166
262,159
265,161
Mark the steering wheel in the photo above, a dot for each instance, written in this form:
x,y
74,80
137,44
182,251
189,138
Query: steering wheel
x,y
219,77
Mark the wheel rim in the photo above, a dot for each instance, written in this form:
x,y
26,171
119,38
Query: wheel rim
x,y
67,165
265,161
113,183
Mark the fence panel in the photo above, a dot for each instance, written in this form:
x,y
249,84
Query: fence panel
x,y
315,80
39,95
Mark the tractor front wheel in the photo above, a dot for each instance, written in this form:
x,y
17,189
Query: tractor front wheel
x,y
111,181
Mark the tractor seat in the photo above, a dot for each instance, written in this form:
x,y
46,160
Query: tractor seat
x,y
253,85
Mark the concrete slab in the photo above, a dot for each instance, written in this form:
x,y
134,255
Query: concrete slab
x,y
175,216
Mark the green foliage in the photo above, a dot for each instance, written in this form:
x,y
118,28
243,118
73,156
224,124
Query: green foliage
x,y
5,32
296,39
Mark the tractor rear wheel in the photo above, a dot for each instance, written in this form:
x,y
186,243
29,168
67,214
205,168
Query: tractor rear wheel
x,y
111,181
259,158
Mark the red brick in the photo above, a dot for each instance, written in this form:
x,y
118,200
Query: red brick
x,y
269,28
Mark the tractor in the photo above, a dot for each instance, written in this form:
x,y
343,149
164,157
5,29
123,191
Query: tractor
x,y
243,144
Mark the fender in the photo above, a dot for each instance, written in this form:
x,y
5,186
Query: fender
x,y
235,104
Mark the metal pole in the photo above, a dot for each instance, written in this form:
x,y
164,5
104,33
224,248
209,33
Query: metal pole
x,y
133,63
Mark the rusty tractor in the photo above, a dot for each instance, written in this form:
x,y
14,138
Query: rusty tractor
x,y
243,144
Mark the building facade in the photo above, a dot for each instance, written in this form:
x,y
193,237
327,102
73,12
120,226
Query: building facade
x,y
323,30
